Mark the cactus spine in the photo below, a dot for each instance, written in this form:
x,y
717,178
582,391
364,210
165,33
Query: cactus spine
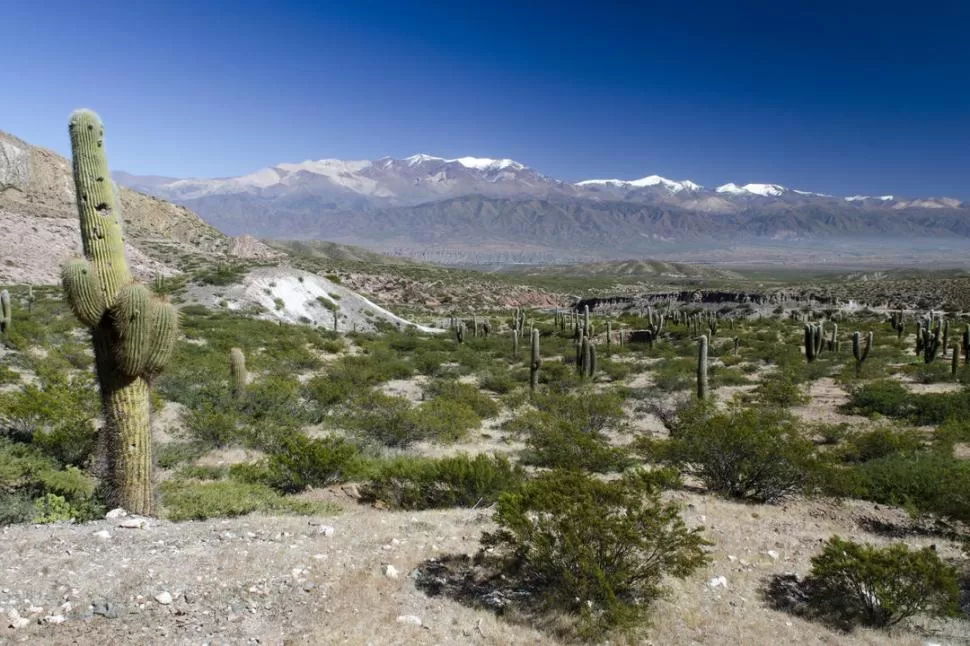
x,y
702,367
133,331
237,370
535,363
859,352
6,315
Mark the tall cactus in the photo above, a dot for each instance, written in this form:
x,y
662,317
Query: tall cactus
x,y
609,338
955,360
536,362
859,352
237,370
966,344
814,334
460,332
6,314
515,343
702,367
931,341
133,331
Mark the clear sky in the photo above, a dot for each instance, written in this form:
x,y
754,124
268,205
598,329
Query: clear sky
x,y
841,97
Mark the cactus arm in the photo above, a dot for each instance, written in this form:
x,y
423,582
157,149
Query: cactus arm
x,y
702,368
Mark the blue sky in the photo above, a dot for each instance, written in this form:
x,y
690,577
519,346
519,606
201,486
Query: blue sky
x,y
839,97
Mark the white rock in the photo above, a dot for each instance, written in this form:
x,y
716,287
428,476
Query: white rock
x,y
116,513
164,598
55,619
326,530
717,582
35,610
732,558
134,523
409,619
773,554
105,534
391,573
16,621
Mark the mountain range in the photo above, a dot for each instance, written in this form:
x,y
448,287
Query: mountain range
x,y
483,206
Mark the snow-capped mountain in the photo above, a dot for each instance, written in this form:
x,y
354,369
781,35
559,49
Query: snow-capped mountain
x,y
426,201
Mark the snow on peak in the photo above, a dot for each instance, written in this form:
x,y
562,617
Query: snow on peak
x,y
764,190
475,163
327,167
811,193
484,163
859,198
649,180
420,158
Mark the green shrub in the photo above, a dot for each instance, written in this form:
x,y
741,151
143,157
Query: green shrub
x,y
382,418
924,482
754,453
226,498
300,462
443,420
879,442
852,583
781,389
460,481
465,394
499,381
885,397
595,549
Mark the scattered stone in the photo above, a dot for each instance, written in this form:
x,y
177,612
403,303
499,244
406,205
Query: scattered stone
x,y
54,619
134,523
773,554
390,572
414,620
116,513
732,558
164,598
16,621
326,530
309,586
103,534
106,609
717,582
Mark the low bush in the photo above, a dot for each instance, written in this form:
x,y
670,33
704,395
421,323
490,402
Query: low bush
x,y
460,481
597,550
465,394
852,583
226,498
299,462
754,453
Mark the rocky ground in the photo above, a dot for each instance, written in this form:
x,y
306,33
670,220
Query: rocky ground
x,y
350,579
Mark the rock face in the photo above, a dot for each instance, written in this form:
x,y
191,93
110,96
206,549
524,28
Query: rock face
x,y
38,217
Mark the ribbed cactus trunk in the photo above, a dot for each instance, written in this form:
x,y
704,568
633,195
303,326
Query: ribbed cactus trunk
x,y
609,338
702,368
460,332
6,313
237,371
536,362
955,360
515,343
132,331
859,352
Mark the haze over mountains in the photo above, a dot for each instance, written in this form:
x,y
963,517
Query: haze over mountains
x,y
491,206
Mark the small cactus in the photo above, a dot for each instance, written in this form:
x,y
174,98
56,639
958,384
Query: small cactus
x,y
237,370
536,362
6,315
860,352
702,367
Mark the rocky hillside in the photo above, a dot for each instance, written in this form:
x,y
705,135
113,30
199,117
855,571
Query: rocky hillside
x,y
38,216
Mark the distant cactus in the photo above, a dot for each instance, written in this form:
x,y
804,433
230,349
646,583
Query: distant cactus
x,y
931,341
896,321
966,344
833,343
955,360
586,331
515,344
132,330
536,362
591,368
6,314
486,327
712,324
31,299
585,358
460,332
609,337
813,340
859,352
702,367
237,370
336,315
